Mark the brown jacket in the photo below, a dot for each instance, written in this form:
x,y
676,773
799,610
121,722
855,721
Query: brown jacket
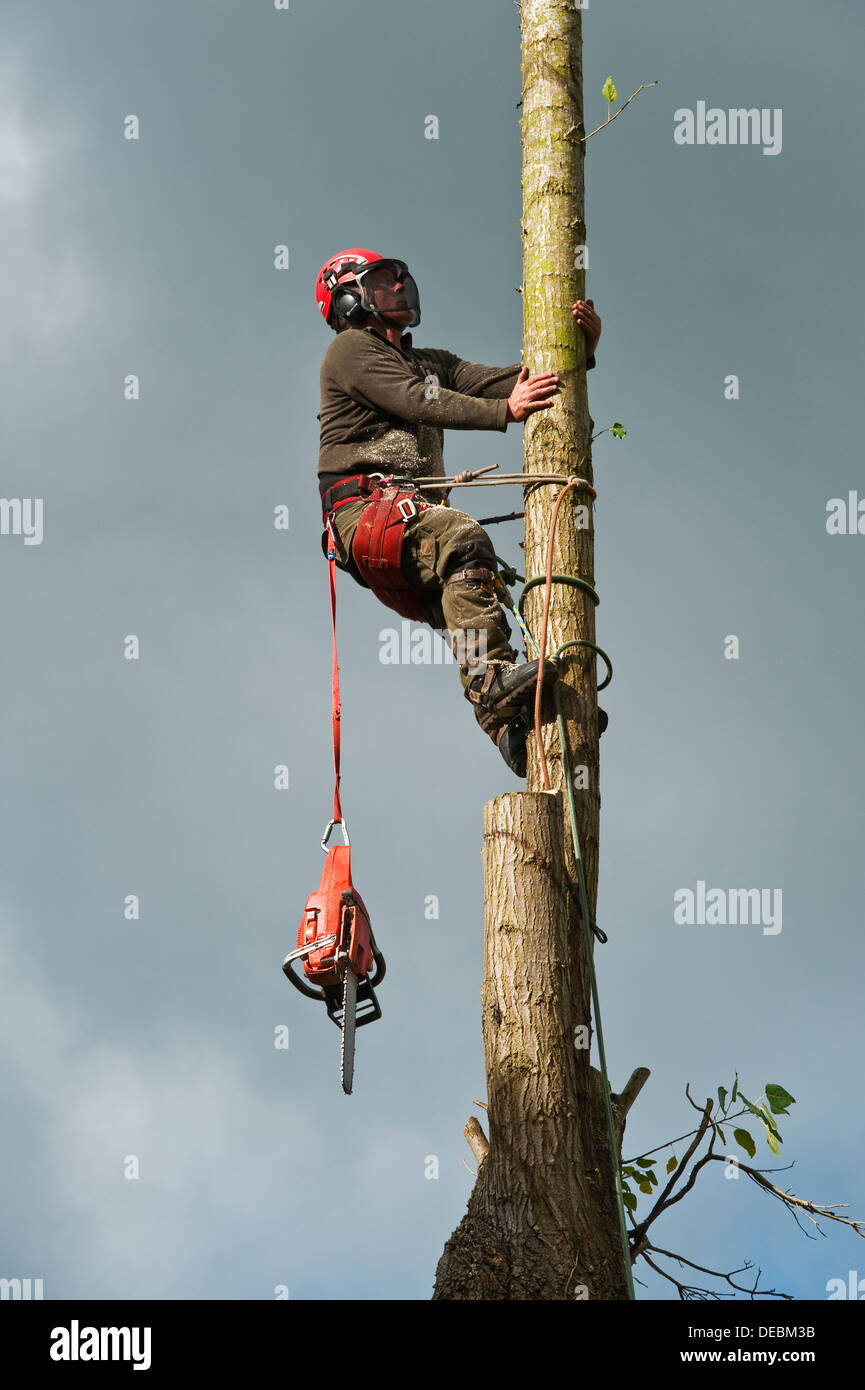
x,y
384,408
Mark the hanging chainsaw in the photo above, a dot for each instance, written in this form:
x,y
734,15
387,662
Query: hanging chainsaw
x,y
341,962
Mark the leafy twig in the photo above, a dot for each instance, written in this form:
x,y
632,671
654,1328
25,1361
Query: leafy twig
x,y
642,86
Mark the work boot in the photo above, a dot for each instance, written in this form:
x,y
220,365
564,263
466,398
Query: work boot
x,y
505,689
512,742
513,737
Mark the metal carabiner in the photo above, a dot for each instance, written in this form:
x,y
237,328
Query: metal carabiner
x,y
327,833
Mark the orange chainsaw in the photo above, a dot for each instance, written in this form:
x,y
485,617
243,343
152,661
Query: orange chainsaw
x,y
338,950
335,940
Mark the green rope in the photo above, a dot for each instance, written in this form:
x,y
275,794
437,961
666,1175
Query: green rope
x,y
596,1006
581,642
510,575
561,579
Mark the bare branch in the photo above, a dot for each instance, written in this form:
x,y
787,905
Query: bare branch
x,y
687,1292
694,1292
632,1088
476,1139
810,1209
701,1108
508,516
718,1274
623,1101
664,1199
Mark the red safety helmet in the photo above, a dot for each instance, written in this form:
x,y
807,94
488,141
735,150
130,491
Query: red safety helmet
x,y
340,291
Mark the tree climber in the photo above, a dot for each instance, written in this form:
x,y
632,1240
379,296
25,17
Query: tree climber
x,y
384,406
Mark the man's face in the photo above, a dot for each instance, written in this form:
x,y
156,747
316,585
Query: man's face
x,y
385,288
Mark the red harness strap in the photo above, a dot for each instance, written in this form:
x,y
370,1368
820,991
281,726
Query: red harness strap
x,y
377,549
336,709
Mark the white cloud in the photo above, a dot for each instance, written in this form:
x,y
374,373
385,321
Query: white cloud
x,y
21,161
48,292
212,1150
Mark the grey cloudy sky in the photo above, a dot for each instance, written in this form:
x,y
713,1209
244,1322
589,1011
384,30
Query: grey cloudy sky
x,y
155,777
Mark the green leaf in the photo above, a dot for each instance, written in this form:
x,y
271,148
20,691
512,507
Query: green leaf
x,y
646,1162
735,1091
722,1096
608,91
629,1200
749,1105
722,1134
671,1163
772,1141
744,1140
630,1172
779,1099
770,1123
618,430
646,1187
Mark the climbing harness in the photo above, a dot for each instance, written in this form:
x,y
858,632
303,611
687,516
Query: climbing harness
x,y
377,545
341,962
377,548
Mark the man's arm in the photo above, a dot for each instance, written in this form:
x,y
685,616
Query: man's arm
x,y
477,380
369,372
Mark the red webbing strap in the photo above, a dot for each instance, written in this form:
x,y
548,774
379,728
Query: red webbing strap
x,y
375,556
331,564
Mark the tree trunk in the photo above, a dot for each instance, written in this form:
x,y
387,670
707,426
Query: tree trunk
x,y
543,1221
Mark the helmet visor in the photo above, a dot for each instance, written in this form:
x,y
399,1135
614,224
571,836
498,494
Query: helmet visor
x,y
389,289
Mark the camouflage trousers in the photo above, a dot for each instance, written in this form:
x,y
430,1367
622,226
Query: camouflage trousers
x,y
438,543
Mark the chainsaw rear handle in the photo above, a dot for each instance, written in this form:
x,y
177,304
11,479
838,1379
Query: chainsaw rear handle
x,y
316,992
377,956
350,901
311,991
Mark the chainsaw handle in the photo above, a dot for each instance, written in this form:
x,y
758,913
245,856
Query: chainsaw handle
x,y
314,993
377,976
378,958
308,990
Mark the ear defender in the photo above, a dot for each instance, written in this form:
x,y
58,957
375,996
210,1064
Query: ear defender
x,y
346,304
